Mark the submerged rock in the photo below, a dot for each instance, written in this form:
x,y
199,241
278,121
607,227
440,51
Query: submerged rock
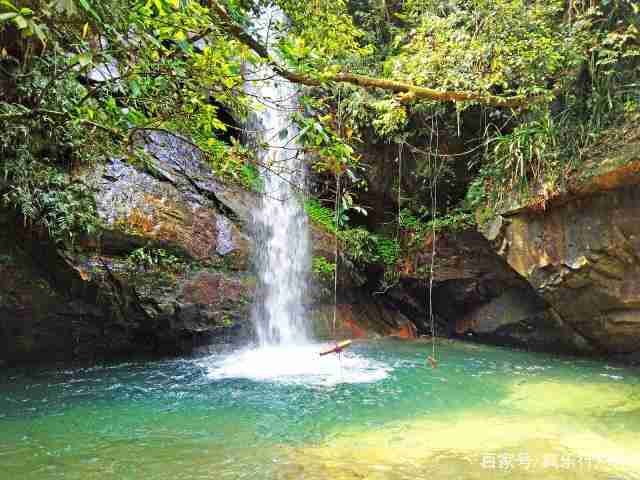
x,y
554,398
474,444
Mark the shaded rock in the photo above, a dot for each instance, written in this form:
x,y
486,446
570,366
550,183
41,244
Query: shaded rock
x,y
475,292
509,308
62,306
47,312
467,273
33,318
360,316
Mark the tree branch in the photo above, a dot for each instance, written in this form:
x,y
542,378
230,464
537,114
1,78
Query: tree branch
x,y
408,92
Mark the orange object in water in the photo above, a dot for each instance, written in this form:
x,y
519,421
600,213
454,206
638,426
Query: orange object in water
x,y
338,348
432,361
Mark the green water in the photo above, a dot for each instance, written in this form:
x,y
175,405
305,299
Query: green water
x,y
484,413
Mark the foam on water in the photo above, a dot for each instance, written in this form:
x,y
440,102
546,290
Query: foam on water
x,y
296,364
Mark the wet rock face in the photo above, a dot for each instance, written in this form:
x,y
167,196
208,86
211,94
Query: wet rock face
x,y
583,258
138,209
93,301
181,206
27,304
358,314
180,163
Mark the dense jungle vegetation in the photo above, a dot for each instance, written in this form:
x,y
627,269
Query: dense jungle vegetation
x,y
489,98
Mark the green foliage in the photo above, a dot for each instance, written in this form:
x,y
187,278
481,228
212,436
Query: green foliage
x,y
321,215
323,36
45,197
54,121
359,245
324,269
454,220
512,45
543,149
364,247
578,62
391,117
35,156
321,137
227,321
147,258
387,250
24,20
525,152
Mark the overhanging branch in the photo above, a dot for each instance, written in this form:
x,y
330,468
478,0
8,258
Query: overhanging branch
x,y
409,92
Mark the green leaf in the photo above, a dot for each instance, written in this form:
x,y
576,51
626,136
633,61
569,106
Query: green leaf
x,y
67,7
37,29
7,16
87,7
134,85
9,5
85,59
21,22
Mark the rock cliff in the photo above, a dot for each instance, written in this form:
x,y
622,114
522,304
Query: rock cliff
x,y
581,254
168,271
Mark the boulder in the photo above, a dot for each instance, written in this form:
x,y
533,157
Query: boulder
x,y
359,315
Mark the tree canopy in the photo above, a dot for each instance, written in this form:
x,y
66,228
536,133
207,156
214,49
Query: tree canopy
x,y
77,77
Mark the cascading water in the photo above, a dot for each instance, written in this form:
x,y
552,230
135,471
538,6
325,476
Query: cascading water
x,y
285,352
282,259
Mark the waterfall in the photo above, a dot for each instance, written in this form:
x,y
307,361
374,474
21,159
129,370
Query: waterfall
x,y
282,256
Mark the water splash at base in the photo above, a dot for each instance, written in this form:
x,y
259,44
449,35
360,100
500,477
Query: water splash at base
x,y
300,365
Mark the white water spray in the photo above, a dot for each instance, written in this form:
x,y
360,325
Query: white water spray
x,y
283,257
